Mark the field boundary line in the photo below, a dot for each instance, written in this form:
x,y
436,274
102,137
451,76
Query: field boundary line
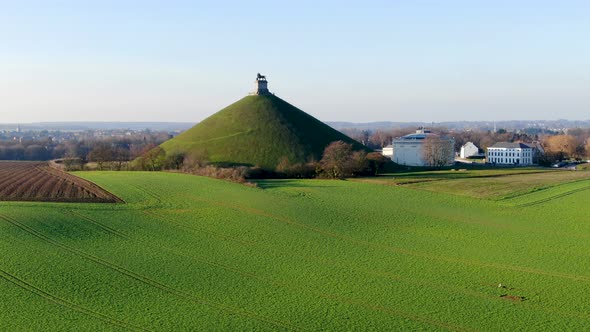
x,y
87,185
542,189
418,181
147,280
554,197
65,303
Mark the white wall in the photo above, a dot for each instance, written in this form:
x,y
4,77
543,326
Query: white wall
x,y
409,152
468,150
387,152
508,156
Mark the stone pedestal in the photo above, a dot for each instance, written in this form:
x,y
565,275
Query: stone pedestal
x,y
261,86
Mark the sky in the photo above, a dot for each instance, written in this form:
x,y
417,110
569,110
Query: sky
x,y
358,61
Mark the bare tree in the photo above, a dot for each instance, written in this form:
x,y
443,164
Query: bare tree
x,y
100,154
436,151
196,159
376,162
358,163
340,161
336,159
561,146
120,156
380,138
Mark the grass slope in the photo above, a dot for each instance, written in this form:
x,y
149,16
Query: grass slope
x,y
493,184
258,130
192,253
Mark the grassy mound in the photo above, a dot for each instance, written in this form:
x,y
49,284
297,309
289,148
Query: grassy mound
x,y
258,131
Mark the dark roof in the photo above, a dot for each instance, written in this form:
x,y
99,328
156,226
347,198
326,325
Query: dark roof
x,y
508,145
469,143
418,136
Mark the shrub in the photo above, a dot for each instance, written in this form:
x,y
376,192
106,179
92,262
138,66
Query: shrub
x,y
340,161
196,159
154,159
377,162
174,160
233,174
358,163
299,170
336,159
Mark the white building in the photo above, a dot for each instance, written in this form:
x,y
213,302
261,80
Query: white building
x,y
388,151
469,150
408,150
504,153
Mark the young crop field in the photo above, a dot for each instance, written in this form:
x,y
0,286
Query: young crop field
x,y
492,184
36,181
192,253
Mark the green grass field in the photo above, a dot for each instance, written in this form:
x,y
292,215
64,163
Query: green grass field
x,y
193,253
495,184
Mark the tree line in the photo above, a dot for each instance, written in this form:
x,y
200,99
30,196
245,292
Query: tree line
x,y
339,160
559,145
106,153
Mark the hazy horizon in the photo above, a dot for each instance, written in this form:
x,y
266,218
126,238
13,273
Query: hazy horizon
x,y
141,61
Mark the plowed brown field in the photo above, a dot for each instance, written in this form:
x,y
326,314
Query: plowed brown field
x,y
36,181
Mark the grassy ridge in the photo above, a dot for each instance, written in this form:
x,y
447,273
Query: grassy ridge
x,y
196,253
258,130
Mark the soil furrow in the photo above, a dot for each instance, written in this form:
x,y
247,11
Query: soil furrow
x,y
37,181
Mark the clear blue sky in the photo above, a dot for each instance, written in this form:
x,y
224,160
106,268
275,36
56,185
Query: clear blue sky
x,y
340,61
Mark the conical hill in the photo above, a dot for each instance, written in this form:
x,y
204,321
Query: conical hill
x,y
258,130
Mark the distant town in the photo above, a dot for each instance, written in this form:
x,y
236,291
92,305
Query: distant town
x,y
53,141
550,141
